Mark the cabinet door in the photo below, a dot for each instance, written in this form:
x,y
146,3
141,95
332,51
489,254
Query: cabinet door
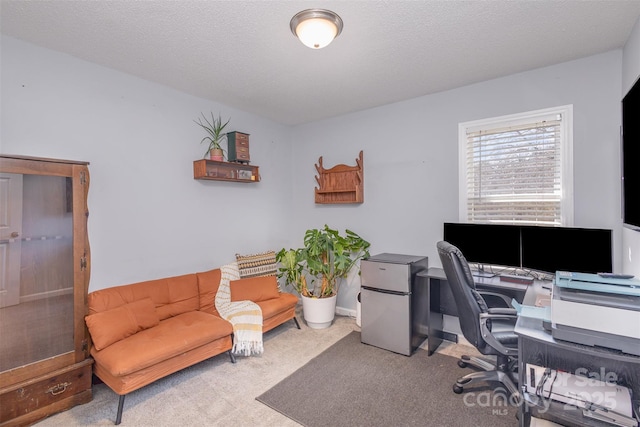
x,y
386,276
386,321
43,328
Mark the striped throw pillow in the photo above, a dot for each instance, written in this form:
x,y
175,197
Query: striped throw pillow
x,y
262,264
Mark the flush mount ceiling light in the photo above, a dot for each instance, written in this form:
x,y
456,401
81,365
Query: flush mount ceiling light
x,y
316,28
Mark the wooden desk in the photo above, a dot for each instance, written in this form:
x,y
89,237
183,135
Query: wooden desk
x,y
537,346
440,301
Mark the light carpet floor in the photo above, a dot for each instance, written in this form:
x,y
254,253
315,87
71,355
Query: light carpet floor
x,y
216,392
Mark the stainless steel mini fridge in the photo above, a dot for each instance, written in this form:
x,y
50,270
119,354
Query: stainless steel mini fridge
x,y
393,305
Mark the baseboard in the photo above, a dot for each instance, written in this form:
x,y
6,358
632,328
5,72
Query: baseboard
x,y
341,311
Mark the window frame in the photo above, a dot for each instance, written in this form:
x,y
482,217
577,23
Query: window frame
x,y
566,154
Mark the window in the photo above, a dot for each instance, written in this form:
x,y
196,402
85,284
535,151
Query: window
x,y
518,169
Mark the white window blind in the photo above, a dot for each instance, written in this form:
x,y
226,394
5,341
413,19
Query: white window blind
x,y
513,170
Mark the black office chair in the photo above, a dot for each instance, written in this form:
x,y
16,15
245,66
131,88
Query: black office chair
x,y
490,330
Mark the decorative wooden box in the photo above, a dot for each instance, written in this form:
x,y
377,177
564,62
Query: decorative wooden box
x,y
238,148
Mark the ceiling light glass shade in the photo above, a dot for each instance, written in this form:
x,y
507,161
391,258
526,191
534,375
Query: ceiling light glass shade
x,y
316,28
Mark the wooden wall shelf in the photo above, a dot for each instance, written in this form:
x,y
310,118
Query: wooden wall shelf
x,y
225,171
341,183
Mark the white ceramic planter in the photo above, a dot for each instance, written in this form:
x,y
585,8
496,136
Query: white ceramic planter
x,y
319,312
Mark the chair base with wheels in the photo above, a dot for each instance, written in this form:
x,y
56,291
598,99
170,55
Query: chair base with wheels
x,y
489,372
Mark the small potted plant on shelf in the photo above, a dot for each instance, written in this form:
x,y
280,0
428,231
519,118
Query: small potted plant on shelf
x,y
216,135
326,258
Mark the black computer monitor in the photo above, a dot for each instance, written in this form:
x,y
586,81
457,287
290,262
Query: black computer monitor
x,y
551,249
630,155
488,244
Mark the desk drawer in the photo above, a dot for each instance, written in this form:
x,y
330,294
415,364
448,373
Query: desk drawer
x,y
38,393
242,153
241,138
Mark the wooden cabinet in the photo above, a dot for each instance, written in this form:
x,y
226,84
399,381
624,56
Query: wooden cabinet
x,y
225,171
238,147
44,361
31,400
341,183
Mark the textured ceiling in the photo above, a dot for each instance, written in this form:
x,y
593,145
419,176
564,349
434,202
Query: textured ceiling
x,y
242,53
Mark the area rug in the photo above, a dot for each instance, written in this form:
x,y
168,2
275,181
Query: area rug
x,y
354,384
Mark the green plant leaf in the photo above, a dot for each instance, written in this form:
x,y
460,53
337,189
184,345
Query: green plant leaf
x,y
327,255
214,128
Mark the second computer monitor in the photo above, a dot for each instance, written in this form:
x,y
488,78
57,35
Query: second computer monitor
x,y
485,243
551,249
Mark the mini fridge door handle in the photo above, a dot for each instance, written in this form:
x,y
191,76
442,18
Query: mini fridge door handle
x,y
385,291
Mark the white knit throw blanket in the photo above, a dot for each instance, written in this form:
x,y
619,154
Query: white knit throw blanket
x,y
245,316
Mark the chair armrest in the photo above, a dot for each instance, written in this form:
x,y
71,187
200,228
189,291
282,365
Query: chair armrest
x,y
511,311
510,314
506,299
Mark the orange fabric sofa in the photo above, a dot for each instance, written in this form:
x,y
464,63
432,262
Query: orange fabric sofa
x,y
145,331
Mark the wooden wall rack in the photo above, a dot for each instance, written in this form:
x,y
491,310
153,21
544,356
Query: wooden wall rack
x,y
341,183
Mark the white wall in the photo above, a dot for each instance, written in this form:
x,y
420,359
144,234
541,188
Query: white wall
x,y
630,73
410,156
148,217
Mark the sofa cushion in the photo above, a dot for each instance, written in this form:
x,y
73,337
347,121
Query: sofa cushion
x,y
208,283
254,289
171,337
274,306
171,295
113,325
182,295
255,265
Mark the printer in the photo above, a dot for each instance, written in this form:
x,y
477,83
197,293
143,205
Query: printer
x,y
596,311
600,400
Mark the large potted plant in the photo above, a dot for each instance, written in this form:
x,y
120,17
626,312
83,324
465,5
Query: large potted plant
x,y
316,270
215,129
